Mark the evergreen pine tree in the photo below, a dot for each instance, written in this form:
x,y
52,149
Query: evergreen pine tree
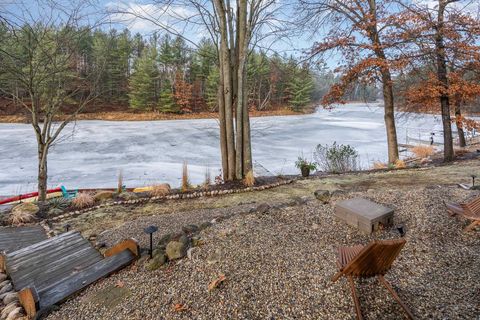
x,y
142,82
301,86
167,103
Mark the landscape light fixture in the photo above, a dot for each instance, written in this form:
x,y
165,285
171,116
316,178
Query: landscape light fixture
x,y
401,230
67,227
150,230
473,180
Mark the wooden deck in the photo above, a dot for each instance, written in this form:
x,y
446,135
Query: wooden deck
x,y
47,272
14,238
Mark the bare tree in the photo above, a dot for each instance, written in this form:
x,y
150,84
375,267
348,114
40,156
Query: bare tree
x,y
357,30
38,56
234,27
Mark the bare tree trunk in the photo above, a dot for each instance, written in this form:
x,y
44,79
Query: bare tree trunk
x,y
42,172
458,122
443,79
223,130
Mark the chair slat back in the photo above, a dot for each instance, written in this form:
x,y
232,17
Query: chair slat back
x,y
472,207
375,259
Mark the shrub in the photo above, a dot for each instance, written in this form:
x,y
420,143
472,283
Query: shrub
x,y
336,158
249,180
23,213
423,151
304,163
59,203
160,190
185,179
83,200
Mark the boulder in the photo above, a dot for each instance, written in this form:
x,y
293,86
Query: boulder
x,y
323,195
10,297
176,250
191,228
103,196
4,283
3,277
26,207
158,260
128,196
164,240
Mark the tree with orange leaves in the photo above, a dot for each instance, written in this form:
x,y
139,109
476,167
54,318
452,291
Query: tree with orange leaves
x,y
443,39
358,32
183,93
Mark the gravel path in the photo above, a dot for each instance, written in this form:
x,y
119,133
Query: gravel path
x,y
278,266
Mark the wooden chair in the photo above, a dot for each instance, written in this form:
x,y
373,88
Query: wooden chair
x,y
374,259
469,210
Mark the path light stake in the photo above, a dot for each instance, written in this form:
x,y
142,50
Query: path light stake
x,y
66,227
150,230
473,180
401,230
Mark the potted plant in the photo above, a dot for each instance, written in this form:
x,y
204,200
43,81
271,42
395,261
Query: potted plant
x,y
305,166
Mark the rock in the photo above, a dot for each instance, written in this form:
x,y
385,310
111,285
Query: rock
x,y
103,196
55,212
176,250
3,277
205,225
128,196
262,208
300,200
191,228
197,241
25,208
323,195
15,314
190,252
158,260
10,297
100,245
9,308
6,288
162,243
4,283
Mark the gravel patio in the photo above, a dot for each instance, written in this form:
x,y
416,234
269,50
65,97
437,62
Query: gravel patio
x,y
278,265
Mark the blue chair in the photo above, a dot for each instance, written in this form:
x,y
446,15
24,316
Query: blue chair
x,y
68,194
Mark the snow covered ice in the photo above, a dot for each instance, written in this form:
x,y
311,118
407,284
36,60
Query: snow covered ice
x,y
90,153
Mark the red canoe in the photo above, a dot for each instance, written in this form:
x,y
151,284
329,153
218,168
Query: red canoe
x,y
27,195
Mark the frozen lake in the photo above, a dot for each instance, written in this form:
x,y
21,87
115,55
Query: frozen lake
x,y
91,153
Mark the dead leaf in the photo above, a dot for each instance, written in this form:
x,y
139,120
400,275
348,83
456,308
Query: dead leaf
x,y
178,307
215,283
119,284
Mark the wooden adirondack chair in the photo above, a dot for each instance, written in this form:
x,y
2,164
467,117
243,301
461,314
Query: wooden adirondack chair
x,y
374,259
469,210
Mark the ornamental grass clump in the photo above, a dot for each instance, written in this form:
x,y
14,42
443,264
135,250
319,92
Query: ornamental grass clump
x,y
185,179
83,200
337,158
422,151
249,180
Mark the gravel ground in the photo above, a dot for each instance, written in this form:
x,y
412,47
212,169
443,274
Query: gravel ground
x,y
278,265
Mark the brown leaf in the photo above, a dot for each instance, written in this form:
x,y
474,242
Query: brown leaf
x,y
119,284
178,307
215,283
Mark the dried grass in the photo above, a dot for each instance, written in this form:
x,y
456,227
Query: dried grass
x,y
400,164
21,217
208,178
83,200
460,152
120,181
249,180
379,165
423,151
160,190
185,178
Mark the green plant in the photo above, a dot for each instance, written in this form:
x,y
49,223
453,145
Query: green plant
x,y
336,158
391,166
304,163
59,203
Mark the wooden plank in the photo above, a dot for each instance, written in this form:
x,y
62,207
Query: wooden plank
x,y
36,246
55,269
15,238
63,289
